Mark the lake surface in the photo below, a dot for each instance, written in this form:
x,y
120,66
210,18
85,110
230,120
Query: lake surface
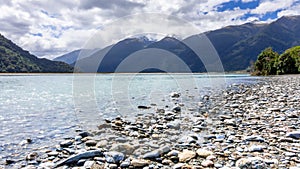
x,y
50,107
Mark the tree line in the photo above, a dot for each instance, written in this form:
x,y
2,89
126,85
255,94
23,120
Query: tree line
x,y
270,62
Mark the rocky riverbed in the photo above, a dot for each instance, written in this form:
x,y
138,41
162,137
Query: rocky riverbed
x,y
244,126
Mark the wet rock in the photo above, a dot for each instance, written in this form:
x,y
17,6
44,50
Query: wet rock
x,y
26,141
114,157
175,95
176,109
254,138
84,134
186,155
90,143
9,161
294,134
66,143
204,153
144,107
75,158
31,156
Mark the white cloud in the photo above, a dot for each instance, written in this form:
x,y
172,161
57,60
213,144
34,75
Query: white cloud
x,y
294,10
272,6
67,25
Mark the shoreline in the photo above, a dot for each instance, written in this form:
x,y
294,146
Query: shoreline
x,y
246,125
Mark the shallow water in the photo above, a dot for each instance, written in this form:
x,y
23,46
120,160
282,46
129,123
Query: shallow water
x,y
48,108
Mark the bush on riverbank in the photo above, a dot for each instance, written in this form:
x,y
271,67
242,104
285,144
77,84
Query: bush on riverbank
x,y
270,62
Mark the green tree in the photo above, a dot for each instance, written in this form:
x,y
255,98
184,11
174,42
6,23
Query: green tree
x,y
266,62
289,61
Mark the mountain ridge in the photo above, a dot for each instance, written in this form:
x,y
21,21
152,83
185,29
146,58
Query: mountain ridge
x,y
238,45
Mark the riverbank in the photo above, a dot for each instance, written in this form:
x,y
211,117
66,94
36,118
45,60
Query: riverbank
x,y
243,126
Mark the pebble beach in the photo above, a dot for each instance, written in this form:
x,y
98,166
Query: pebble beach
x,y
244,126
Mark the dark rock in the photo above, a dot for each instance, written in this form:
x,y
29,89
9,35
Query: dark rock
x,y
144,107
294,134
90,143
84,134
176,109
9,161
75,158
175,95
254,138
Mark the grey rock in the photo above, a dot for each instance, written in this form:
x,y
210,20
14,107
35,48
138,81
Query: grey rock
x,y
256,148
234,105
294,134
178,166
152,155
88,164
66,143
75,158
114,157
125,163
254,138
251,162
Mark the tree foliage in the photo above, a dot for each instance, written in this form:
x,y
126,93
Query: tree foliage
x,y
271,63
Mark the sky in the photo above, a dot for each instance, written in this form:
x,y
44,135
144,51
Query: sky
x,y
52,28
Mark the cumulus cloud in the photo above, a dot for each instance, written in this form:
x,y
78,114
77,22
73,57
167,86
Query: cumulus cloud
x,y
51,28
272,6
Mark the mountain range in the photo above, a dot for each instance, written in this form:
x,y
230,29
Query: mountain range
x,y
14,59
236,46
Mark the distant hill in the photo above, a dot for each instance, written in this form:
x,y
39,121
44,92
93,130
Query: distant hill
x,y
68,58
14,59
237,46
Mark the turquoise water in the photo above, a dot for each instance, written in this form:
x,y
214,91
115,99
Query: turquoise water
x,y
47,108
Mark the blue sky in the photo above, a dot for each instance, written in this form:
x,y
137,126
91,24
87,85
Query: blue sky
x,y
52,28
